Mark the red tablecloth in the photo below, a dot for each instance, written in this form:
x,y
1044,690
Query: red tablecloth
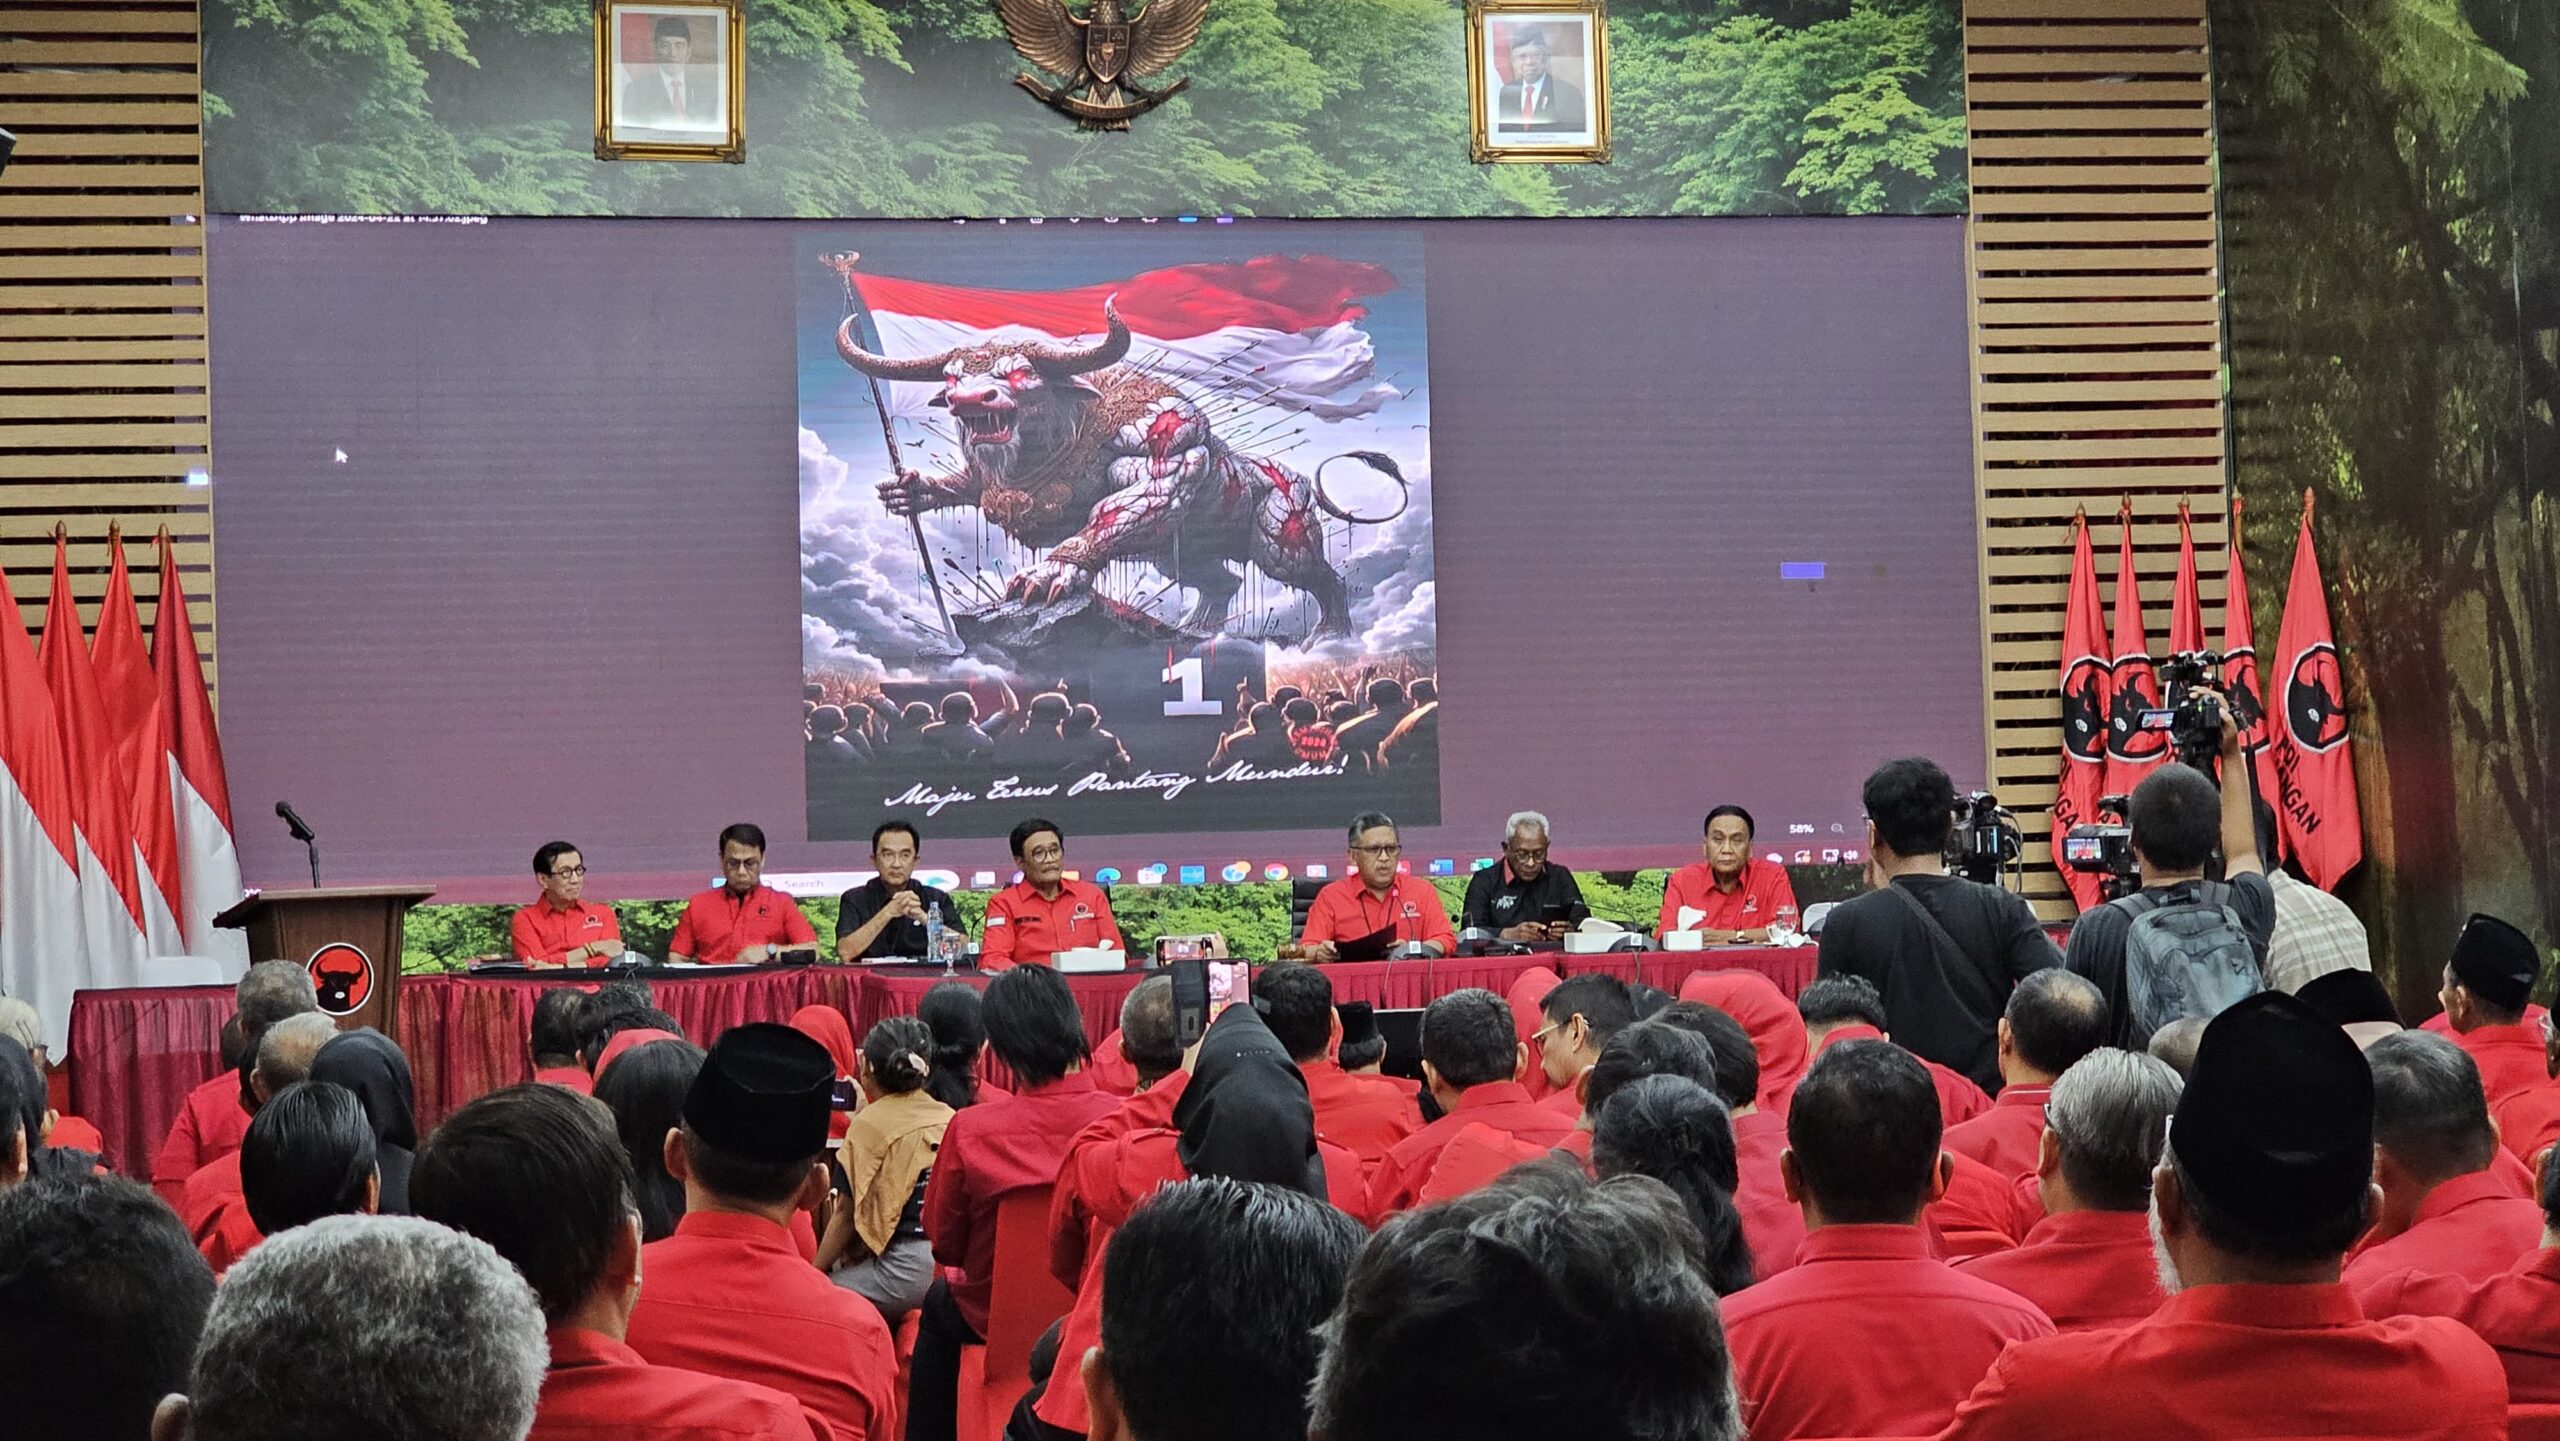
x,y
136,1053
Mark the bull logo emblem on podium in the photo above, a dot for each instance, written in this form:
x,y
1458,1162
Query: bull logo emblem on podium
x,y
343,975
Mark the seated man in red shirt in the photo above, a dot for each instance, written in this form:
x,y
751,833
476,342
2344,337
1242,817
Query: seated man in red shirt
x,y
1863,1161
1739,894
310,1153
1472,1059
1376,897
538,1174
1624,1341
2516,1311
1046,911
2486,986
2053,1018
2088,1263
216,1114
1849,1008
559,929
554,1040
211,1204
999,1146
1577,1019
2445,1209
730,1293
2265,1181
744,920
1368,1115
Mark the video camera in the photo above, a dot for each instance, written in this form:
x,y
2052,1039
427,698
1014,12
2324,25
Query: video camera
x,y
2105,849
2193,722
1985,839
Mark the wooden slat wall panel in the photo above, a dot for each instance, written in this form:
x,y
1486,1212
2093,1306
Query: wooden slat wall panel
x,y
103,389
2096,340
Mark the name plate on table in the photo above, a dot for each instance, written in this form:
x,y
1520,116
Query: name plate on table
x,y
1090,960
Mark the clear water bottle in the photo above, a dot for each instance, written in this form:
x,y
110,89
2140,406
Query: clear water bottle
x,y
933,947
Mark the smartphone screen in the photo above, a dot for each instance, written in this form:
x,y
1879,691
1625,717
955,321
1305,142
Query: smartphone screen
x,y
1230,983
1177,948
848,1094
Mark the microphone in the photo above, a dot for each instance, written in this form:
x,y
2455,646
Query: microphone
x,y
302,832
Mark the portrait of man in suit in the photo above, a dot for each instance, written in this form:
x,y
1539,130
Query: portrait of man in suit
x,y
673,90
1537,99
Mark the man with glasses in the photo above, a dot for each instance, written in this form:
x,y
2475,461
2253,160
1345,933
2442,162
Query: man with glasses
x,y
1523,896
560,929
743,920
1376,900
1046,911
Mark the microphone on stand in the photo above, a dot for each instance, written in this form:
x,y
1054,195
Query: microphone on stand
x,y
302,832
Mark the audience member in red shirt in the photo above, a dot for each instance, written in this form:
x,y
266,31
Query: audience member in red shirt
x,y
1863,1160
989,1151
1775,1026
285,1053
1740,894
1577,1018
2486,985
2053,1018
216,1114
2445,1209
1471,1059
1376,897
554,1040
2088,1263
1045,912
1367,1114
538,1174
559,929
744,920
1436,1339
2516,1311
1673,1129
1771,1223
309,1153
1846,1008
2264,1184
730,1293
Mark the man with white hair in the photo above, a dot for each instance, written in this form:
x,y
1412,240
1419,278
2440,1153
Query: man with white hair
x,y
1524,896
213,1205
381,1327
215,1118
19,1022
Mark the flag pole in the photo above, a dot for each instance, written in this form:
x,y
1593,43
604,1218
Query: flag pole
x,y
842,263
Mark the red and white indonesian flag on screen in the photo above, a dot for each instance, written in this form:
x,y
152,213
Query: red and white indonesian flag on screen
x,y
199,793
1276,330
42,929
2314,767
2087,696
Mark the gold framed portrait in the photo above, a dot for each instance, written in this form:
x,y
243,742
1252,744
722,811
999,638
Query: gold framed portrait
x,y
1538,80
671,80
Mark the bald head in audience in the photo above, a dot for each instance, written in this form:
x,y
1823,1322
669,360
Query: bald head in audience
x,y
2174,1045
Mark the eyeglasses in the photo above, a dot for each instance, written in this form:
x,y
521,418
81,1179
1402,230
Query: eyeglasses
x,y
1528,853
1381,852
1045,853
569,873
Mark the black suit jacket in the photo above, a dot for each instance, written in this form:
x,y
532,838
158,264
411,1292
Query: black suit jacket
x,y
1559,107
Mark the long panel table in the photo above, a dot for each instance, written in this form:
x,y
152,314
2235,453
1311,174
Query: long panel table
x,y
136,1053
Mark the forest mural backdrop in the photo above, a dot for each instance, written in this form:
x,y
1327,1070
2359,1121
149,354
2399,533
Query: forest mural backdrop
x,y
2391,174
905,108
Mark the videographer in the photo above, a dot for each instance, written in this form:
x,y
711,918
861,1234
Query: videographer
x,y
1943,951
2182,944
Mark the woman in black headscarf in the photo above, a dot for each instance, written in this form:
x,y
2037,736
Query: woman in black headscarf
x,y
1244,1114
370,1064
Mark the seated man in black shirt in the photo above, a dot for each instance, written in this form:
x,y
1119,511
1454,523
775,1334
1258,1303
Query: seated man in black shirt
x,y
1943,951
884,916
2177,815
1513,896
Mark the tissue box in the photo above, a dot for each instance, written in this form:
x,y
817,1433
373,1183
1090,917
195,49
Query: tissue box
x,y
1685,941
1591,943
1086,960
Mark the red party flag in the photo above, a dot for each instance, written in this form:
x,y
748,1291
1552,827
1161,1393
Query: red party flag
x,y
2315,772
2240,675
2132,752
2087,687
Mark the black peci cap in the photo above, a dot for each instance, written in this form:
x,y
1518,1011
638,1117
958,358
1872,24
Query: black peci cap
x,y
2275,1125
2496,962
762,1094
2349,997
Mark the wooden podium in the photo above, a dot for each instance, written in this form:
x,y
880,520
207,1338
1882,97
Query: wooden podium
x,y
348,937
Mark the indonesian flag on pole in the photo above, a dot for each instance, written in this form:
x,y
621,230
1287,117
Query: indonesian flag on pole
x,y
110,871
2132,752
2240,675
2087,691
42,938
199,789
2315,773
131,696
2186,602
1275,330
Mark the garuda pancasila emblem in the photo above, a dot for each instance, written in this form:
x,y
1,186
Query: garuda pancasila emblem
x,y
1108,52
